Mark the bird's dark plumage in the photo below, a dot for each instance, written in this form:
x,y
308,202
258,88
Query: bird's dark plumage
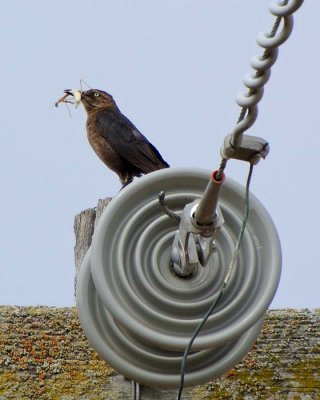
x,y
115,139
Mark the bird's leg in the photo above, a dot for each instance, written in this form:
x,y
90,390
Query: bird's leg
x,y
125,182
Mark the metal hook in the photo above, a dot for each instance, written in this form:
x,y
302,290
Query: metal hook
x,y
165,208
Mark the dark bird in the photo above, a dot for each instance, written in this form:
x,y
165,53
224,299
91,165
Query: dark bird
x,y
115,140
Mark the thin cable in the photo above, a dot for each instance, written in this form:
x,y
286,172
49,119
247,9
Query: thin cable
x,y
224,285
221,168
135,390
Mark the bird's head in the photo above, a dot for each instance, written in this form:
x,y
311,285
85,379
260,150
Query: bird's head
x,y
93,99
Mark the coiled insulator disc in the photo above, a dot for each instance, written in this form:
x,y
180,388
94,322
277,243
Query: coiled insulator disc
x,y
139,315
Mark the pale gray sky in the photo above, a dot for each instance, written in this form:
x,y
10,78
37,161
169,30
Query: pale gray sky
x,y
174,67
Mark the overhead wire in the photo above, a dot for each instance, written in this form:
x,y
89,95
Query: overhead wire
x,y
251,91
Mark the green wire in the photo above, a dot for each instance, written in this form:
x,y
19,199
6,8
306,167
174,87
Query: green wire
x,y
224,285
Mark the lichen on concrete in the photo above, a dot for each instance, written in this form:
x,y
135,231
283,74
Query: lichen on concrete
x,y
45,356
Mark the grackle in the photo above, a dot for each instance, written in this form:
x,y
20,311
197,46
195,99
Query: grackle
x,y
115,140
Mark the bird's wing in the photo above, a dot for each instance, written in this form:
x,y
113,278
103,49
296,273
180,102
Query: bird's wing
x,y
128,142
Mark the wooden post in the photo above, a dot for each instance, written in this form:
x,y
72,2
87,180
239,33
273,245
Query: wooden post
x,y
84,225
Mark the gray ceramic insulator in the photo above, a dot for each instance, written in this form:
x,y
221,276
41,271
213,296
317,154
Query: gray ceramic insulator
x,y
139,315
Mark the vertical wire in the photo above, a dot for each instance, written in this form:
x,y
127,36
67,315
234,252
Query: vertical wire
x,y
224,285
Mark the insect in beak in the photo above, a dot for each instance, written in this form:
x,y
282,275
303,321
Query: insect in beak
x,y
76,94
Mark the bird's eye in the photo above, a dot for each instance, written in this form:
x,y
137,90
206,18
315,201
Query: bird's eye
x,y
96,94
